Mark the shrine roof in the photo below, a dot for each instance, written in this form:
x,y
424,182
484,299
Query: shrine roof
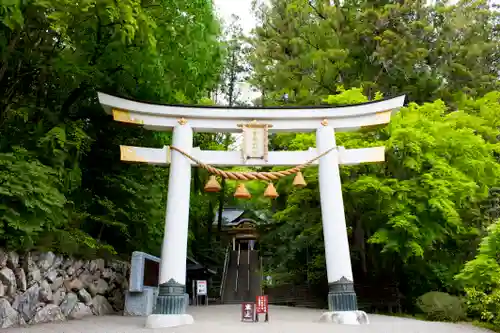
x,y
228,215
232,216
193,265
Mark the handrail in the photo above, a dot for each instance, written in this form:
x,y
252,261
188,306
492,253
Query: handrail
x,y
224,273
237,269
248,276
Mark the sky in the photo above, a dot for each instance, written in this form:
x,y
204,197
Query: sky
x,y
241,8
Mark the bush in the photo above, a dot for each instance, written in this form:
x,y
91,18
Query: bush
x,y
441,306
484,306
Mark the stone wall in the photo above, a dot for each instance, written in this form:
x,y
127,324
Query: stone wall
x,y
44,287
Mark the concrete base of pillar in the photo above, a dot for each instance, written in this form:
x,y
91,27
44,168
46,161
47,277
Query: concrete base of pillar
x,y
171,299
341,296
345,317
168,320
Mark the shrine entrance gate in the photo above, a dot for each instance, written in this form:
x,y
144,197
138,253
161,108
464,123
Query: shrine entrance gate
x,y
254,123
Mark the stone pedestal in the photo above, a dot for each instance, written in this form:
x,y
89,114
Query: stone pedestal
x,y
170,309
140,303
341,296
164,321
172,299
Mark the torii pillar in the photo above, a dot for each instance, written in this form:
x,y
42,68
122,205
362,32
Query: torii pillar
x,y
172,300
341,295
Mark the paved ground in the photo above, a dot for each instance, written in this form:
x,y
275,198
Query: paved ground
x,y
226,319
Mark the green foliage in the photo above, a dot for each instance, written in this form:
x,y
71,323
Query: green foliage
x,y
441,306
417,216
481,278
439,167
62,184
429,51
236,69
483,272
484,306
415,219
30,198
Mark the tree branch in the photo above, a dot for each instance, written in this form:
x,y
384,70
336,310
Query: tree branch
x,y
74,96
10,48
322,16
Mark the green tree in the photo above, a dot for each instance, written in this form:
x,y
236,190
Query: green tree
x,y
411,218
480,277
64,185
416,218
307,48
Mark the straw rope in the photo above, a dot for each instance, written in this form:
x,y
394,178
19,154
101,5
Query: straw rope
x,y
251,175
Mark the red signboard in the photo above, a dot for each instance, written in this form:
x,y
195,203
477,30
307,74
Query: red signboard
x,y
262,304
248,311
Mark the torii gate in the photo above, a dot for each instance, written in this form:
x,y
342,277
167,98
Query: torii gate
x,y
172,299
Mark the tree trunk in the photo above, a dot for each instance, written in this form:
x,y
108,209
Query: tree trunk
x,y
10,49
227,140
232,78
359,243
221,207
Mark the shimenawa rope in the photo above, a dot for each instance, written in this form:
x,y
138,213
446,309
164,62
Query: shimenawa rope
x,y
251,175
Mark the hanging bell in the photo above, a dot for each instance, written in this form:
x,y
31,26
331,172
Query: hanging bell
x,y
299,181
242,192
212,185
271,192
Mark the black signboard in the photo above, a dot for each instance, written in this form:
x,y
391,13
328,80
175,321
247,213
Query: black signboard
x,y
151,273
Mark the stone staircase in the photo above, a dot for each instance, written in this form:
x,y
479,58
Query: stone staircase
x,y
242,281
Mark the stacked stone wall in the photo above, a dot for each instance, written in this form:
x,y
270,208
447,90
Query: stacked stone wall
x,y
45,287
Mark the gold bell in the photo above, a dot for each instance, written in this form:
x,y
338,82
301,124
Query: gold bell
x,y
242,192
212,185
271,192
299,181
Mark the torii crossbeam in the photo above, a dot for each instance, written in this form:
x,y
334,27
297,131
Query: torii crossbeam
x,y
162,156
172,299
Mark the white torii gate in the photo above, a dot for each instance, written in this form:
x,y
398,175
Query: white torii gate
x,y
172,299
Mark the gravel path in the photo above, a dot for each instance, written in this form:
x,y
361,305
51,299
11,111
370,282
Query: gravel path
x,y
226,319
